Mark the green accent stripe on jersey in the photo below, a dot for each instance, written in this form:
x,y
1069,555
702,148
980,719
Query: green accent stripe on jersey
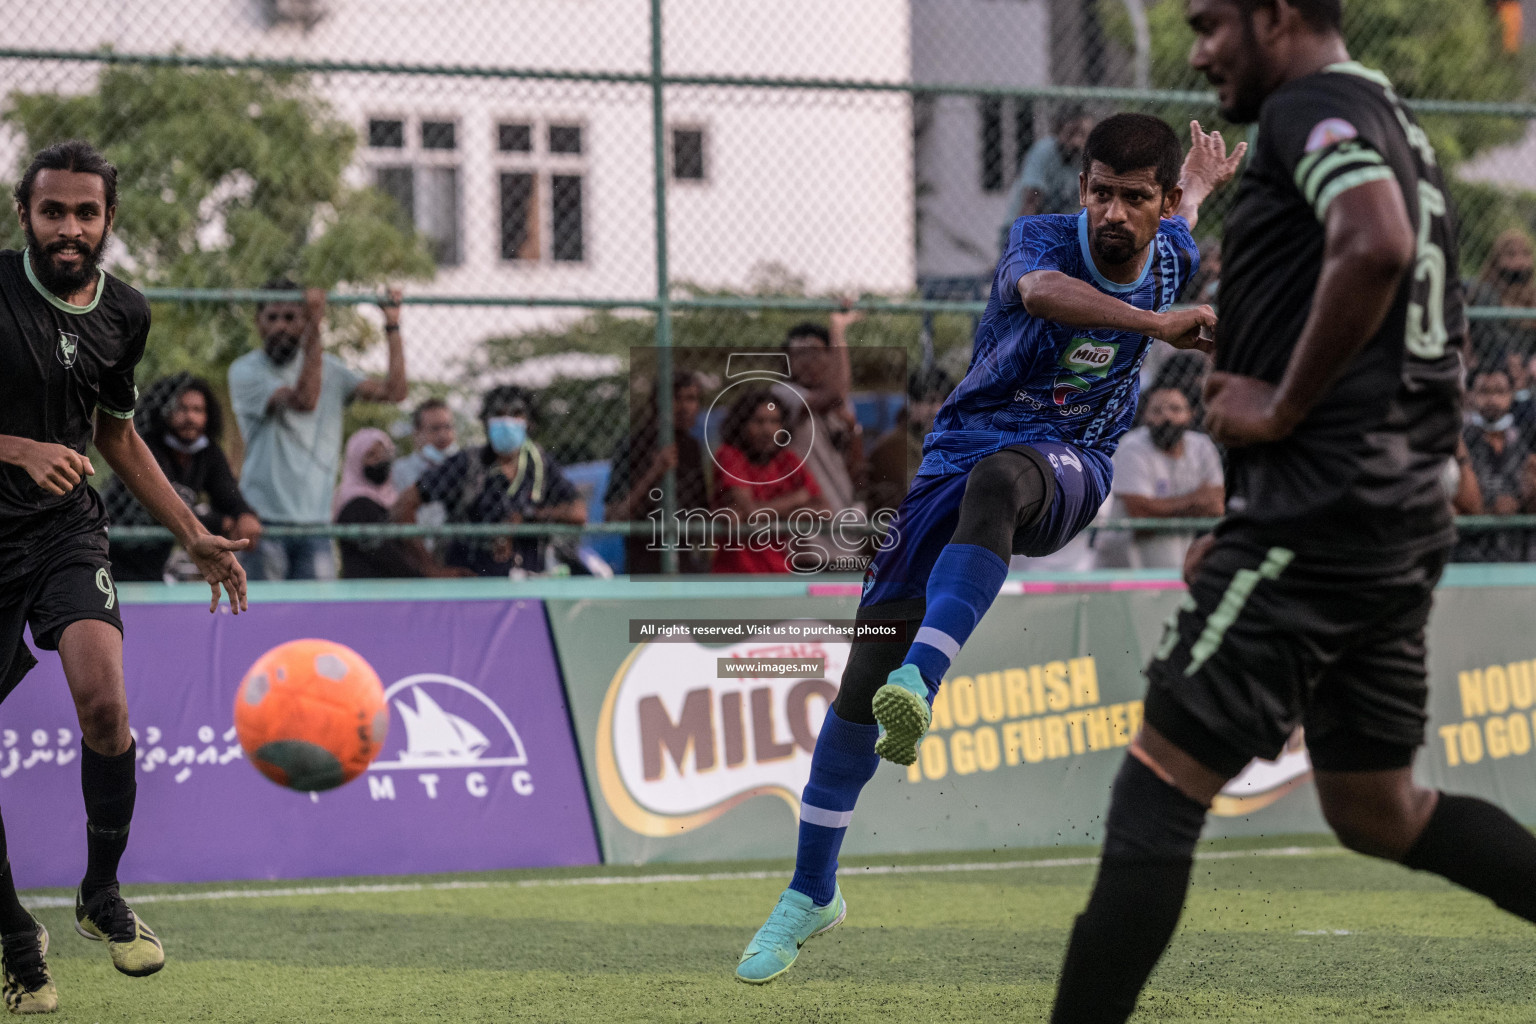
x,y
101,286
1232,602
113,412
1354,67
1338,186
1354,156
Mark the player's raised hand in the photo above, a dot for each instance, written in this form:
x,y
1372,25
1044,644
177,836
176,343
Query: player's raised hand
x,y
1188,328
55,468
1207,167
215,559
1242,410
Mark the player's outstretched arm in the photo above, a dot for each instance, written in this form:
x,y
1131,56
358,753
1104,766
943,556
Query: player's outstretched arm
x,y
1369,247
1052,295
131,460
1207,167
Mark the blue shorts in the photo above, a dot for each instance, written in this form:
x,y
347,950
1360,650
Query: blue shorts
x,y
929,513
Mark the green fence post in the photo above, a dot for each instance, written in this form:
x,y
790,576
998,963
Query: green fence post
x,y
663,294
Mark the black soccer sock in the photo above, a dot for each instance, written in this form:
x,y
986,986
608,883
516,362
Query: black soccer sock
x,y
1149,846
13,916
1479,847
109,787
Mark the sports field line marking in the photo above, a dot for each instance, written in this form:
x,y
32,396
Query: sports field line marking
x,y
44,902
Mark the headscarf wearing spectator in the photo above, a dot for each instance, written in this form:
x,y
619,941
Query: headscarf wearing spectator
x,y
354,484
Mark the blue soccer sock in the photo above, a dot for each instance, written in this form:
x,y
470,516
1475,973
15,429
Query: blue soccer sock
x,y
965,581
844,760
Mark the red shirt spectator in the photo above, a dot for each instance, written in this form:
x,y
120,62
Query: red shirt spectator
x,y
759,473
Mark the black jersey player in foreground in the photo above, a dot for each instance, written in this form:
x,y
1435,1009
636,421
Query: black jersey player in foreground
x,y
1338,392
70,336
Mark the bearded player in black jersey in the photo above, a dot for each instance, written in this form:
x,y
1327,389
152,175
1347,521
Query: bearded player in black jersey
x,y
70,337
1337,391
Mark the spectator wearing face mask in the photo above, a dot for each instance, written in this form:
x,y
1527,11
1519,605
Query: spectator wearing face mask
x,y
1506,279
366,495
182,423
510,479
1163,470
1499,450
289,398
435,438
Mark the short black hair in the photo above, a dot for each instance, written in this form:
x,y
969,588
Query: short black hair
x,y
809,329
75,155
1321,15
1130,142
278,284
505,400
424,408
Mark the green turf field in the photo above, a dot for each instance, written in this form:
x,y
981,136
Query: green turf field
x,y
1322,936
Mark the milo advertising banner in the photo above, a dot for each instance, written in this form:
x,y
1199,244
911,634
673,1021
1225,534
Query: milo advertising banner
x,y
699,750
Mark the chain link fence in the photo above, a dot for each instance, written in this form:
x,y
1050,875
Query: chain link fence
x,y
554,188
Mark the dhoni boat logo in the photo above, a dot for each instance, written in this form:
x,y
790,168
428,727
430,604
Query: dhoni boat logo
x,y
1264,782
677,747
450,724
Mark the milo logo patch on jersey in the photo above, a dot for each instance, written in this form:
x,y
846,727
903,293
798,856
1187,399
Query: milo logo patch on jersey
x,y
1085,357
69,348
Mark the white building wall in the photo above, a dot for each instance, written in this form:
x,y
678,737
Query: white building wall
x,y
817,186
969,42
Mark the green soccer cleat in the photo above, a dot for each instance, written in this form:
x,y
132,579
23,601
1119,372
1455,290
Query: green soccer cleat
x,y
27,986
106,916
901,708
777,943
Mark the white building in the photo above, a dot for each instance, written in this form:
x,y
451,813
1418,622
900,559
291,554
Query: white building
x,y
545,189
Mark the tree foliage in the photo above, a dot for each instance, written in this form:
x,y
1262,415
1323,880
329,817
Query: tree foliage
x,y
226,179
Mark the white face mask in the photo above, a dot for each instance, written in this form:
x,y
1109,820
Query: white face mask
x,y
1498,426
435,455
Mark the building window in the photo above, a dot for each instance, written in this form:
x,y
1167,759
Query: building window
x,y
688,154
542,191
565,139
993,160
423,179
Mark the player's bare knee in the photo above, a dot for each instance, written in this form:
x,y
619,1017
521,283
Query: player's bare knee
x,y
1374,813
103,722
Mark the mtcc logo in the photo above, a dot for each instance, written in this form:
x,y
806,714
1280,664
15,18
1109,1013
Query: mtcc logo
x,y
450,727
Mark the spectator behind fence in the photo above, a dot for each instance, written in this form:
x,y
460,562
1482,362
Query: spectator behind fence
x,y
1500,451
509,479
1460,483
894,460
435,439
816,409
365,496
182,423
1047,181
1163,470
1505,280
289,398
759,475
638,467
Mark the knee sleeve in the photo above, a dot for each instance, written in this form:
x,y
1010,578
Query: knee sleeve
x,y
1149,820
870,663
1003,492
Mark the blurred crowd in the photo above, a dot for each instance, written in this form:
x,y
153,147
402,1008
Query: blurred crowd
x,y
781,477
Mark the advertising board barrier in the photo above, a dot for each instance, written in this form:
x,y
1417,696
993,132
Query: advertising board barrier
x,y
1027,732
479,770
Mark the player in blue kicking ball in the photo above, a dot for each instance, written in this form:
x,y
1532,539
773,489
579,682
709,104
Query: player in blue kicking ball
x,y
1018,463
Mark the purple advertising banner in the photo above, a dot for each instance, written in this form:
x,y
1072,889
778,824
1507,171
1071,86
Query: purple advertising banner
x,y
479,770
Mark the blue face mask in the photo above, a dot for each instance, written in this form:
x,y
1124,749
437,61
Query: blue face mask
x,y
435,455
506,433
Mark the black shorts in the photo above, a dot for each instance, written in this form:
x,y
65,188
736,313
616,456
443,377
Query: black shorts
x,y
69,582
1266,641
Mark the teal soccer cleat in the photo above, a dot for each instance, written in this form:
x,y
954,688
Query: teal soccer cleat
x,y
901,708
777,943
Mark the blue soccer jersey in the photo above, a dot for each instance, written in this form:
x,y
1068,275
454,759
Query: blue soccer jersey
x,y
1036,380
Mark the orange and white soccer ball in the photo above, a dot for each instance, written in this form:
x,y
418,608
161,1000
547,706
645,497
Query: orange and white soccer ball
x,y
311,714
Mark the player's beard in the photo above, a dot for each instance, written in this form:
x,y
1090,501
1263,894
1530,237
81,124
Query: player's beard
x,y
1248,80
59,280
1115,247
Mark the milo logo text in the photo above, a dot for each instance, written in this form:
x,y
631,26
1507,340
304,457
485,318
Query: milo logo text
x,y
1088,358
